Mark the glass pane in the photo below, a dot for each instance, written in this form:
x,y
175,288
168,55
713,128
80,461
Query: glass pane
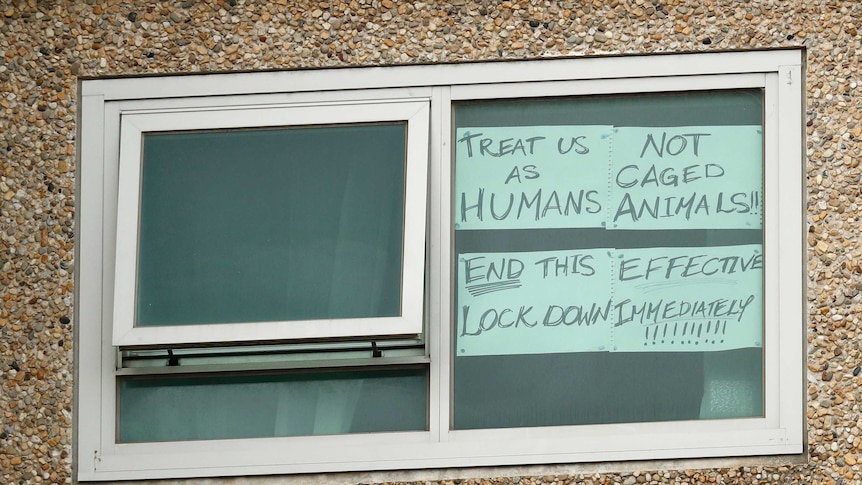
x,y
609,259
293,223
254,406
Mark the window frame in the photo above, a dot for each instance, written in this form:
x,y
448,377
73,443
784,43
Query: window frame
x,y
781,431
135,123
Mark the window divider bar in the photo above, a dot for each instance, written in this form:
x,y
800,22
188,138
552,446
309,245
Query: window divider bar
x,y
369,362
440,275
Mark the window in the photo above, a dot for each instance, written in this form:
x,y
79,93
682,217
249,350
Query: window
x,y
618,235
549,261
268,223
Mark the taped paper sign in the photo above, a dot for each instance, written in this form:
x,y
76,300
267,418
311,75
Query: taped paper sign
x,y
706,298
693,177
531,177
534,302
631,300
687,178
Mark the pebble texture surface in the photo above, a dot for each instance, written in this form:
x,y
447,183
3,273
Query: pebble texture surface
x,y
45,45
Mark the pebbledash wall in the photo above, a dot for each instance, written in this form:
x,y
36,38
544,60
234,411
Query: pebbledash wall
x,y
47,45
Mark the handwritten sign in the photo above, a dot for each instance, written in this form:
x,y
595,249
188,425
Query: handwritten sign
x,y
607,299
627,300
693,177
534,302
686,178
707,298
531,177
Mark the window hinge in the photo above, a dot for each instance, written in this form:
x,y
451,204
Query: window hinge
x,y
375,352
173,360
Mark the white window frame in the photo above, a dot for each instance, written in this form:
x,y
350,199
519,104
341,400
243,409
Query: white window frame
x,y
781,431
135,124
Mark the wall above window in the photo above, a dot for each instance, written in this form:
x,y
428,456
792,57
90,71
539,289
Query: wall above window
x,y
549,261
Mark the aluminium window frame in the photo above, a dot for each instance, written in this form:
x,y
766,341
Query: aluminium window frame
x,y
780,431
134,124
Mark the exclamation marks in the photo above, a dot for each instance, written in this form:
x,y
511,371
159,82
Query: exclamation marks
x,y
686,333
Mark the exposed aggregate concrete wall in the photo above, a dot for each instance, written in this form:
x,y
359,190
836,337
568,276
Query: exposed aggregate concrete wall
x,y
46,44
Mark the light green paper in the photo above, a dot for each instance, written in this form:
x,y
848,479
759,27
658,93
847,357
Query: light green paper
x,y
692,177
531,283
543,177
626,300
688,299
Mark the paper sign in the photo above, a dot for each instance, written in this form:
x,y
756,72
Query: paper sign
x,y
627,300
675,299
533,302
686,178
692,177
607,299
531,177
